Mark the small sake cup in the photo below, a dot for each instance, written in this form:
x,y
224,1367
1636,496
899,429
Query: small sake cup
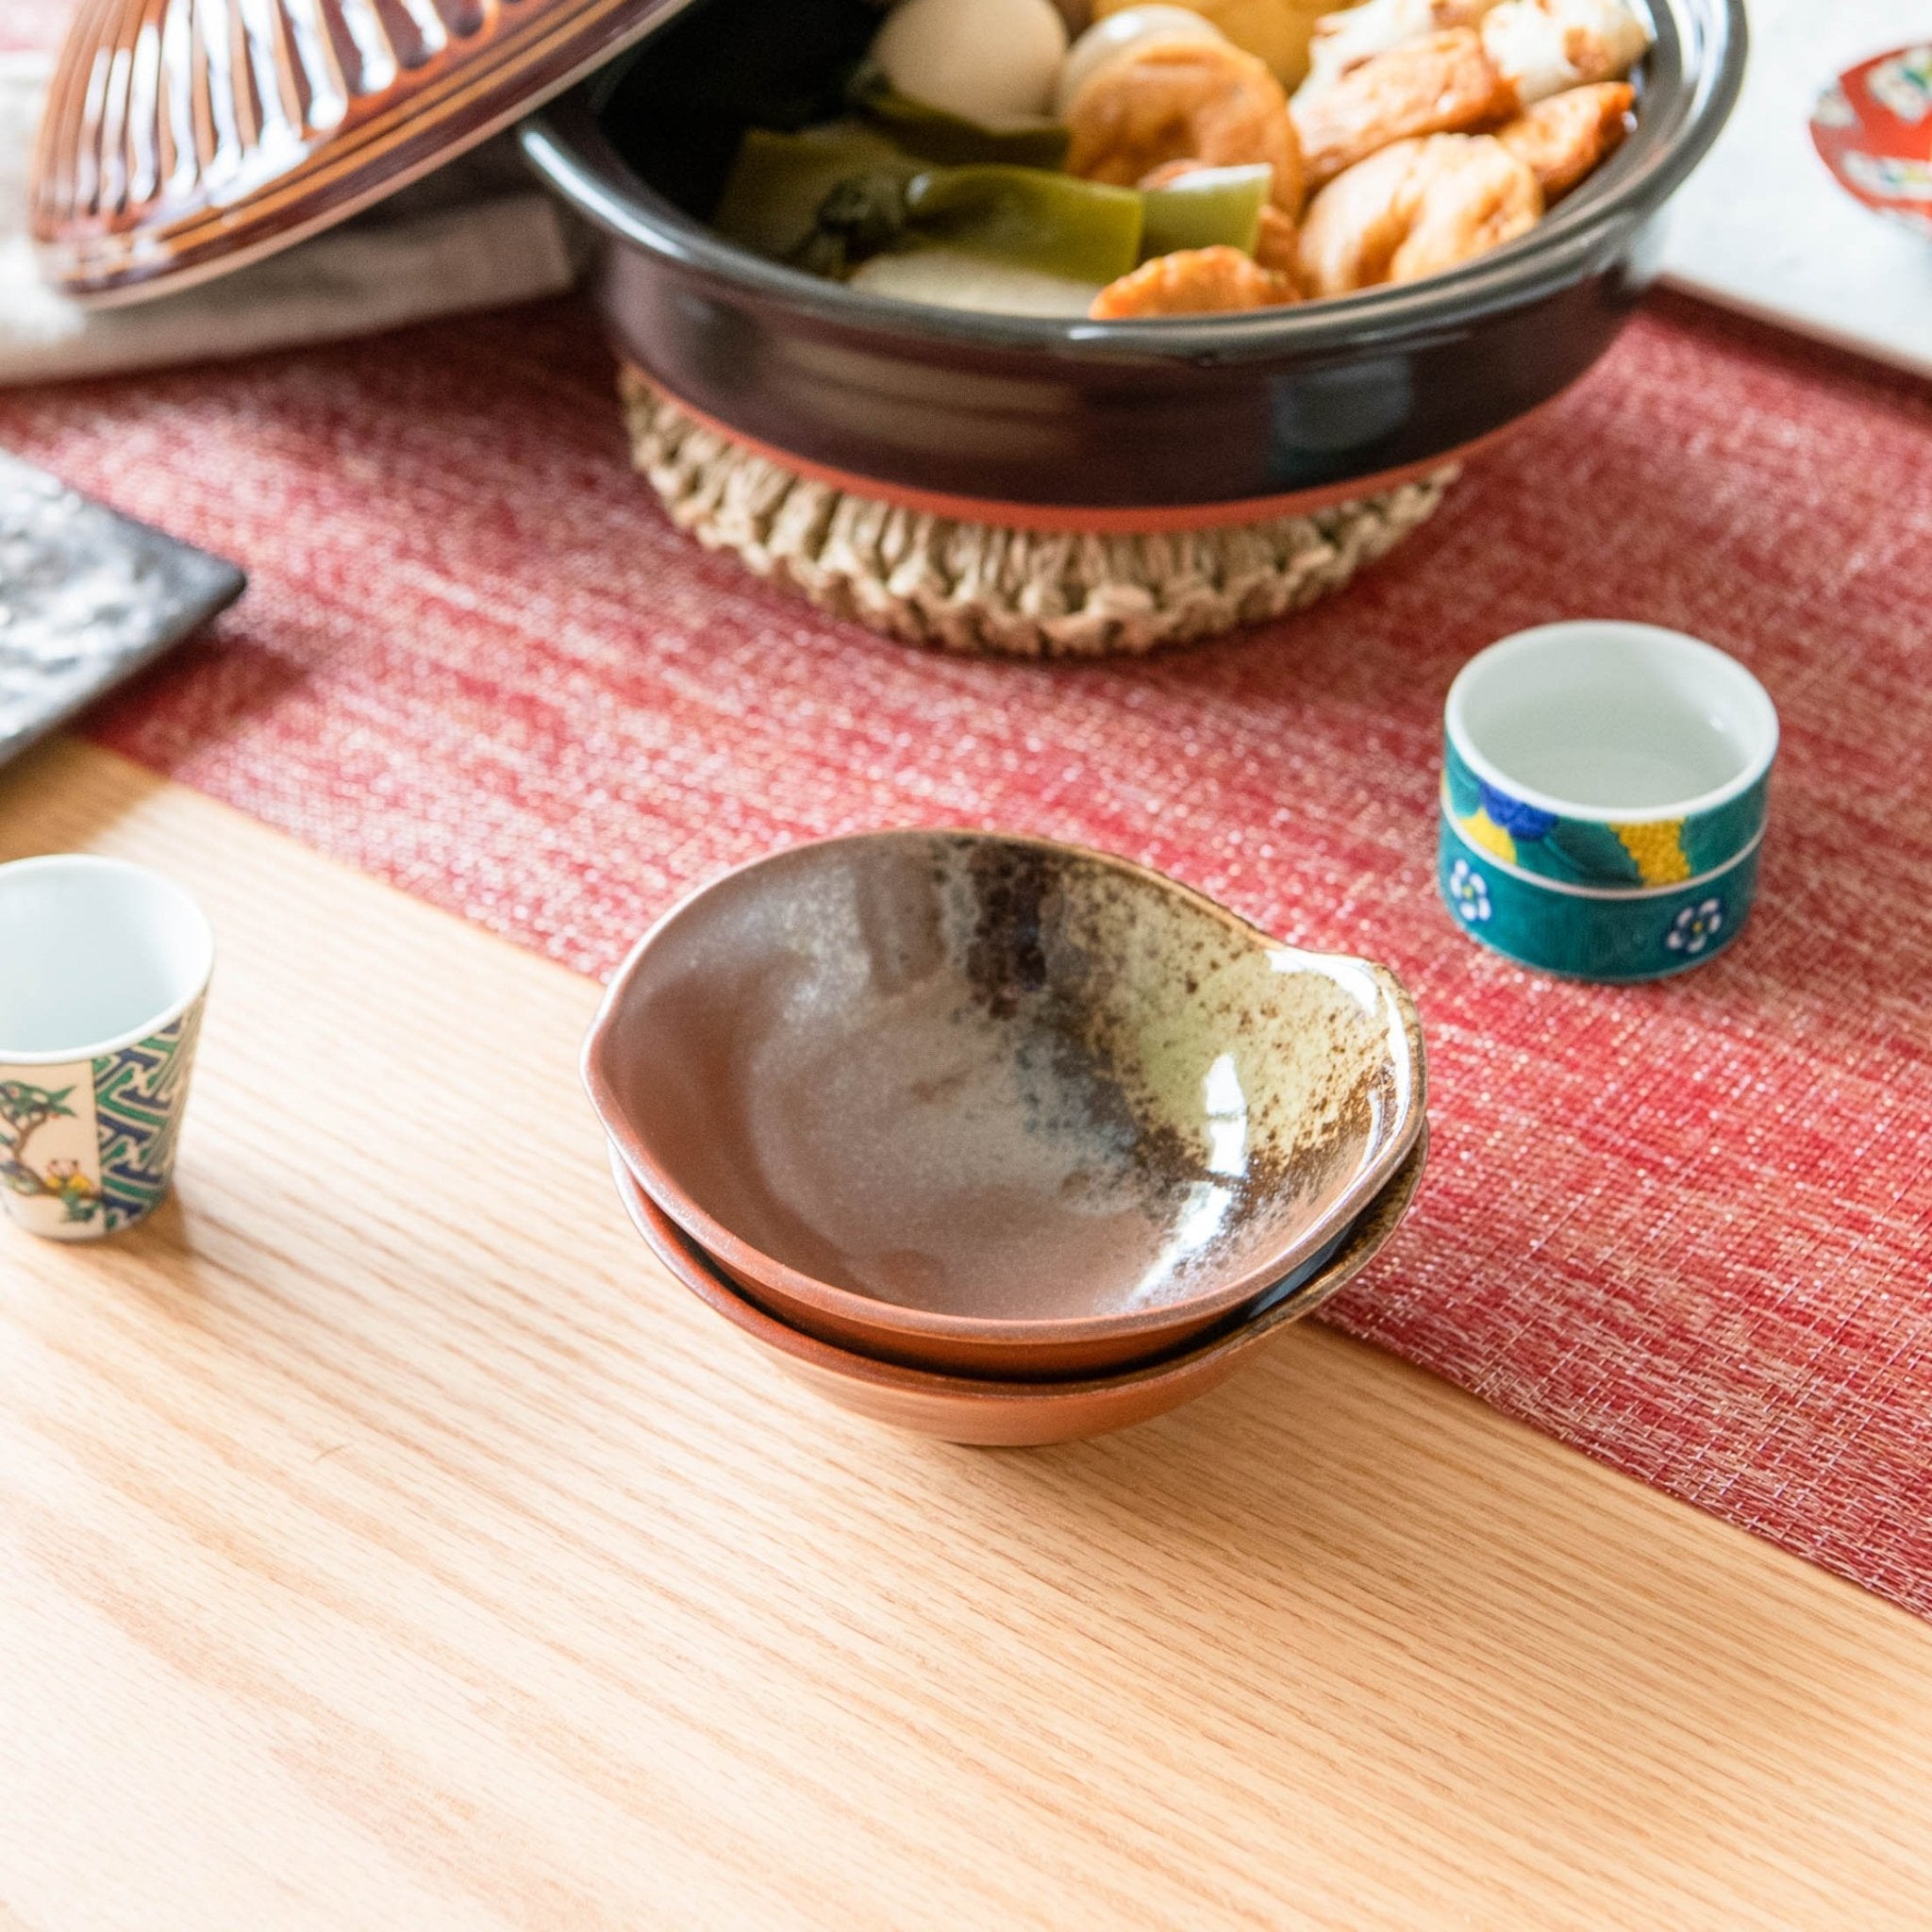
x,y
104,973
1604,794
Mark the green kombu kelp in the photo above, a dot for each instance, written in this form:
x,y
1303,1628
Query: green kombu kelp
x,y
832,196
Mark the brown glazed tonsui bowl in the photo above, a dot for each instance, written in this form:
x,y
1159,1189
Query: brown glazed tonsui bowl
x,y
996,1104
1015,1415
1149,425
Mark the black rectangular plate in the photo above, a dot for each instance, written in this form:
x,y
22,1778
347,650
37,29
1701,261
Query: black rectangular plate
x,y
87,598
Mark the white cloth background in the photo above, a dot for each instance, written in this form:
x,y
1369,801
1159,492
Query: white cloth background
x,y
477,233
1761,227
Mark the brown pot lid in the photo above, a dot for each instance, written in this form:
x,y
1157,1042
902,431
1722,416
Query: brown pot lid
x,y
182,137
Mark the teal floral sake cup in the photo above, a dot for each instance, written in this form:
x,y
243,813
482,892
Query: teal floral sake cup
x,y
1603,796
104,971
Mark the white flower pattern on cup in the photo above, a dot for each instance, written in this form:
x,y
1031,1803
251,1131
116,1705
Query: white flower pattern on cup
x,y
1469,892
1695,927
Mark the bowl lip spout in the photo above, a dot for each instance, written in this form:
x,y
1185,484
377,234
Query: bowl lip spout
x,y
1680,115
1392,1007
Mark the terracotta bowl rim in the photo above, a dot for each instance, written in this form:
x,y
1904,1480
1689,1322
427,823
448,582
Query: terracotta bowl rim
x,y
853,1308
695,1271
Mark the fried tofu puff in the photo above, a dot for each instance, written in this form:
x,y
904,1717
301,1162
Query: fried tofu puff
x,y
1193,281
1444,83
1414,210
1564,136
1456,79
1180,100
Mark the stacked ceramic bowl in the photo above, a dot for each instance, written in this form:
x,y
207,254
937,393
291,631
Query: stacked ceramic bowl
x,y
999,1139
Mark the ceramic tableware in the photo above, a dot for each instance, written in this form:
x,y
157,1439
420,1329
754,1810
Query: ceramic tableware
x,y
1873,128
1013,421
996,1414
1032,1360
104,971
995,1104
1604,798
88,597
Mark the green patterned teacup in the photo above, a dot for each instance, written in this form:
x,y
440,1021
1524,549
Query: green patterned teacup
x,y
104,971
1604,794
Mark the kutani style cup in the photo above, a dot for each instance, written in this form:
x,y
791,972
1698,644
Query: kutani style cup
x,y
104,971
1604,790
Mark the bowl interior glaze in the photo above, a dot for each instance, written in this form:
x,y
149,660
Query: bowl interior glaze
x,y
998,1080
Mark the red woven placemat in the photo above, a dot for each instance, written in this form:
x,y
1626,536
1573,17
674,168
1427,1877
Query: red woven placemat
x,y
1687,1227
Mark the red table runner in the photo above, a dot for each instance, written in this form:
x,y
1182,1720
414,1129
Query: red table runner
x,y
1686,1227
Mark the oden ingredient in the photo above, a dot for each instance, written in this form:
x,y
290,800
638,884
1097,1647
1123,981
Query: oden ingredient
x,y
1177,180
1414,209
1184,206
1170,101
1456,79
1345,38
1543,46
1275,31
1106,38
1195,281
988,59
1565,136
1438,85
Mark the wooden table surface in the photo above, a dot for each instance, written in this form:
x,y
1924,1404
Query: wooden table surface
x,y
388,1544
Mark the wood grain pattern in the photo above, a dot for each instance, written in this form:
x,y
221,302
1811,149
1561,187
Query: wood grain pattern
x,y
387,1544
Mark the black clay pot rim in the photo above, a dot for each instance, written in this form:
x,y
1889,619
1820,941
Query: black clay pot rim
x,y
567,147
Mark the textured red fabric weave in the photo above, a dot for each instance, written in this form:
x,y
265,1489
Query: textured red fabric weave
x,y
1687,1227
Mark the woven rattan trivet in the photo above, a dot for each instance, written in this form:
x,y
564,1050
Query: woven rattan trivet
x,y
978,588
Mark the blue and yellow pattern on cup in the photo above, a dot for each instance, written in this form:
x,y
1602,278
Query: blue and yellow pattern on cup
x,y
1603,799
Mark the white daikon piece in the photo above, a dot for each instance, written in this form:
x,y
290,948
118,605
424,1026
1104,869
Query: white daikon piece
x,y
991,60
951,278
